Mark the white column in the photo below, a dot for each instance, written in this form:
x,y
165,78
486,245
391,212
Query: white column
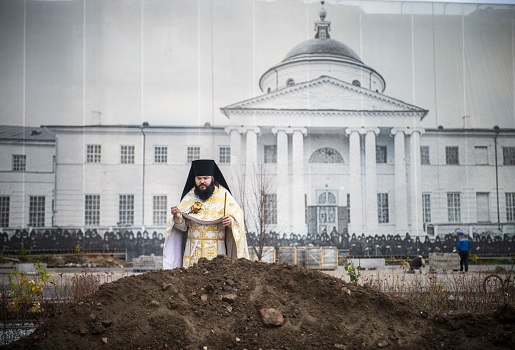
x,y
283,192
251,151
401,199
415,183
355,190
371,181
249,177
298,191
235,137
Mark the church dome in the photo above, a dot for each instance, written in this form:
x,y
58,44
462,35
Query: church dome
x,y
320,57
322,47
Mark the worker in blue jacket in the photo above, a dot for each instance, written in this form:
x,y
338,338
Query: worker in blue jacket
x,y
463,249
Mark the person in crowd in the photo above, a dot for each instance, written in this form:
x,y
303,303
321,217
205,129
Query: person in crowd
x,y
417,263
207,222
463,249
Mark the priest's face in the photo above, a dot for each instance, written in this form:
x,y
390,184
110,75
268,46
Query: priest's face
x,y
203,182
204,186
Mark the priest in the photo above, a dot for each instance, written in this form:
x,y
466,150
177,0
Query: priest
x,y
207,222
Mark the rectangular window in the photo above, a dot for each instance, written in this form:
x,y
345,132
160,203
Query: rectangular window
x,y
5,202
424,155
270,211
160,154
453,207
348,208
127,154
270,154
508,155
426,207
481,155
92,209
483,206
382,208
225,154
381,155
37,211
93,153
159,210
510,206
19,162
452,155
193,153
126,209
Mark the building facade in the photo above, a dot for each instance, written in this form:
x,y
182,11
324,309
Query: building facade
x,y
336,153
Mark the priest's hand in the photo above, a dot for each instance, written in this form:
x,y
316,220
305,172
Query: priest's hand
x,y
176,213
227,220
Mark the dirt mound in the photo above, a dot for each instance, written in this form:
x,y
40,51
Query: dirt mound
x,y
220,304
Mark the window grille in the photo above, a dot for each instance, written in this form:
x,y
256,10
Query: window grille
x,y
5,202
382,208
510,206
454,207
381,156
19,162
426,207
508,154
160,154
270,209
193,153
225,154
37,211
93,153
127,154
326,155
452,155
424,155
92,210
126,209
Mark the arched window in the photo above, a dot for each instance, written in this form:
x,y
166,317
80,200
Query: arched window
x,y
356,83
326,155
326,197
290,82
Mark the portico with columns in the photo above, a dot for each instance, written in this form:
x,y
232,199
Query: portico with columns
x,y
326,127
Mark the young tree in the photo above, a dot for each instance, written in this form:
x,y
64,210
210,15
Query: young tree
x,y
258,200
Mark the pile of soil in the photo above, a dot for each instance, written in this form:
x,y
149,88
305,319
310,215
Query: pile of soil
x,y
221,304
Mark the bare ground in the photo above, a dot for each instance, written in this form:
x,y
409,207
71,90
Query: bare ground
x,y
220,304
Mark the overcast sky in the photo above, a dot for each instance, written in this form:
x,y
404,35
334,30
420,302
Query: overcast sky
x,y
178,62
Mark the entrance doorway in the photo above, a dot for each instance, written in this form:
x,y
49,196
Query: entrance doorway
x,y
327,211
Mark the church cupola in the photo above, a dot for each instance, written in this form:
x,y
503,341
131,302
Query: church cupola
x,y
321,56
322,27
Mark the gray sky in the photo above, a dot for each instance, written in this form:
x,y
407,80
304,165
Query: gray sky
x,y
177,62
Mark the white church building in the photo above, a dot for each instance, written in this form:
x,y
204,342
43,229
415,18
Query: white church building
x,y
339,154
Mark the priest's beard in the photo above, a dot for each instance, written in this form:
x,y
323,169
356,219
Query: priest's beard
x,y
205,194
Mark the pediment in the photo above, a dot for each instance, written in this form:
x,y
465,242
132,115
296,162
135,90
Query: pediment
x,y
324,93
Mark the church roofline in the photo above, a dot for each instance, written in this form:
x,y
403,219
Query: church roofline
x,y
470,130
421,112
131,126
319,80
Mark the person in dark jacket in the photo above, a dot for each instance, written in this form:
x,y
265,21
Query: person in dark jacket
x,y
463,249
417,263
